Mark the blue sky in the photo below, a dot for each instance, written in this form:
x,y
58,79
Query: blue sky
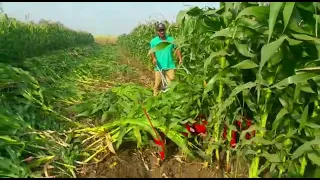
x,y
99,18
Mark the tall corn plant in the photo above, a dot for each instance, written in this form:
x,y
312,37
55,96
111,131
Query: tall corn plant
x,y
263,41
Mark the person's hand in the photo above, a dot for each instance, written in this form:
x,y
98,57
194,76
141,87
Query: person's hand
x,y
180,61
154,61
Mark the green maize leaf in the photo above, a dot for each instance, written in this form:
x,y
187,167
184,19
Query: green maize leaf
x,y
314,157
262,141
306,6
104,116
213,55
311,69
8,139
304,118
239,32
268,51
123,132
138,136
286,13
246,64
301,150
272,158
211,83
195,11
273,15
159,47
295,21
181,16
178,139
293,42
235,91
41,160
279,117
305,37
261,12
227,6
84,114
243,49
312,125
304,148
294,80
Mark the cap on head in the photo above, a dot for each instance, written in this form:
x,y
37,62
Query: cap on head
x,y
160,26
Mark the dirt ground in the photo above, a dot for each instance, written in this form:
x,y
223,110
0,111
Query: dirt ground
x,y
142,75
132,163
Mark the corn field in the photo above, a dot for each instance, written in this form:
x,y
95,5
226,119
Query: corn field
x,y
248,62
37,64
254,84
23,40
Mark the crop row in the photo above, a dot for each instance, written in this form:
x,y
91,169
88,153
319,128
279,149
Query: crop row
x,y
32,122
19,40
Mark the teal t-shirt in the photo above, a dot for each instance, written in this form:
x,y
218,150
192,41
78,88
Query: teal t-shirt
x,y
165,56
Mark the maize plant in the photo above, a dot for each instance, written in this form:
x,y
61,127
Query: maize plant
x,y
34,141
27,140
21,40
260,65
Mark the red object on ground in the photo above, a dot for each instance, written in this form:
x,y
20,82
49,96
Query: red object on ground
x,y
248,136
188,128
234,133
157,141
200,128
224,132
197,128
160,143
233,141
248,122
162,155
239,123
251,134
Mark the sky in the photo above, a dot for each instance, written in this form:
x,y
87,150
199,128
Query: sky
x,y
100,18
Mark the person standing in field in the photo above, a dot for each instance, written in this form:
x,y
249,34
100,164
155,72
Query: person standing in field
x,y
163,59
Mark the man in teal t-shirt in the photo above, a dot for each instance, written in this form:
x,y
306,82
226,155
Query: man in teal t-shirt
x,y
163,59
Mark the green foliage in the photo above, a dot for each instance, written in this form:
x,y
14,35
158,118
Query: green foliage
x,y
35,138
113,104
19,40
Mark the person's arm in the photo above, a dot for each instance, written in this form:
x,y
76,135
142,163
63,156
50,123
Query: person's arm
x,y
178,53
153,55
